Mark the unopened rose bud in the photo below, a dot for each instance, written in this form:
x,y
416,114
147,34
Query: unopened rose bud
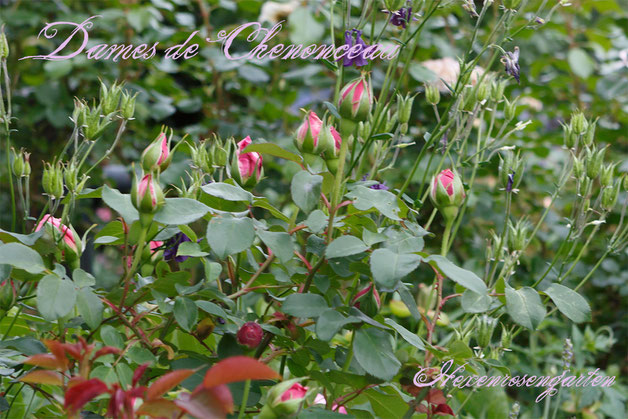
x,y
485,327
579,123
157,156
399,309
432,95
356,100
284,400
250,335
110,97
610,195
146,195
329,141
52,180
246,168
8,294
367,300
127,105
447,193
68,239
306,138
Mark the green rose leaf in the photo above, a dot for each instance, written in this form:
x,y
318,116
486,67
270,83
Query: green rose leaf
x,y
389,268
227,234
280,243
345,246
472,302
227,192
306,190
185,313
178,211
569,302
55,297
525,307
461,276
21,257
407,335
304,305
89,307
374,353
121,203
330,322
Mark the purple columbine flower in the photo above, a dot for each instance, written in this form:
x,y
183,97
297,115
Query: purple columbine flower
x,y
511,181
359,60
379,186
511,62
172,247
401,17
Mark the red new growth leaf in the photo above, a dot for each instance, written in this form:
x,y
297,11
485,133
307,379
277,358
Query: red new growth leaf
x,y
43,377
165,383
443,409
81,393
159,409
138,373
58,351
207,403
106,351
45,361
238,368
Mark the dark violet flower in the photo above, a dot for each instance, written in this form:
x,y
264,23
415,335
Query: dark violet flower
x,y
172,247
511,61
401,17
511,181
354,37
379,186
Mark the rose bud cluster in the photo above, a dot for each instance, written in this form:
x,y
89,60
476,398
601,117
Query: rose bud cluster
x,y
447,193
314,137
250,335
284,399
67,238
246,168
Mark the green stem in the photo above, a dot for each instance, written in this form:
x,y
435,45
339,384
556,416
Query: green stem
x,y
245,398
446,234
347,364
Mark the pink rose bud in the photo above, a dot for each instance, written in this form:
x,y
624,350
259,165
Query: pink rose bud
x,y
157,156
320,399
330,141
297,391
447,193
367,300
246,168
284,399
147,196
306,139
68,238
250,335
356,100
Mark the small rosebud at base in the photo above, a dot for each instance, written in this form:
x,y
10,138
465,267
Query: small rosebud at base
x,y
250,335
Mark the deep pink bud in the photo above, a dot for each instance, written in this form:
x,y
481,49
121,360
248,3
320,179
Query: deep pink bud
x,y
306,138
355,100
447,193
297,391
157,155
248,170
69,236
250,335
147,196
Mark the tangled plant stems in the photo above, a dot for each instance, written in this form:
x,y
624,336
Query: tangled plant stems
x,y
219,297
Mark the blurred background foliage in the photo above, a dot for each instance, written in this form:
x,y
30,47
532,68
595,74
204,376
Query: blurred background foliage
x,y
577,59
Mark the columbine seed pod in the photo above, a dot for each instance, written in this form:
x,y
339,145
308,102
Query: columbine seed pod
x,y
52,180
127,105
511,168
518,236
447,193
391,120
625,181
511,4
486,326
18,163
610,195
93,124
146,195
579,123
157,156
483,91
432,94
569,138
595,159
584,186
4,46
364,129
404,106
589,136
110,97
202,159
578,167
70,175
250,335
219,153
356,100
606,178
80,111
393,5
510,109
497,90
506,338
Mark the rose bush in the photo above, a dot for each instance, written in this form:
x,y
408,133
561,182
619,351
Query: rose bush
x,y
251,277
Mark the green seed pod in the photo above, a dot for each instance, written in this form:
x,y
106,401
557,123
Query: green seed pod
x,y
52,180
79,112
18,163
497,89
127,105
110,97
595,159
606,178
364,129
569,139
4,46
518,236
70,174
506,338
94,124
219,153
393,5
578,168
511,4
610,195
391,120
579,123
584,187
202,159
483,91
432,94
404,106
589,136
510,109
625,181
485,327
